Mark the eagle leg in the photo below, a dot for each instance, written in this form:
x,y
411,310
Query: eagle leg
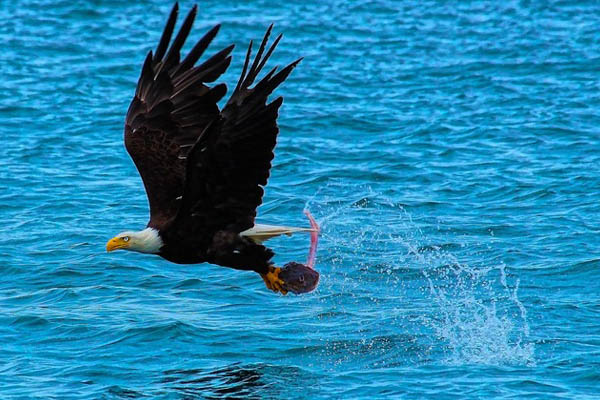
x,y
295,277
272,280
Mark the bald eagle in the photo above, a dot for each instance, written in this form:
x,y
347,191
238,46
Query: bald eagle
x,y
204,169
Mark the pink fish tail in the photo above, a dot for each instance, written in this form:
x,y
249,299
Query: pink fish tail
x,y
314,239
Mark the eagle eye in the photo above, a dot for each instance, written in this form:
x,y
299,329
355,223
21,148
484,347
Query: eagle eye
x,y
126,238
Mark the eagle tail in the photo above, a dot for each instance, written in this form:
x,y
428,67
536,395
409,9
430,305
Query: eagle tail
x,y
260,232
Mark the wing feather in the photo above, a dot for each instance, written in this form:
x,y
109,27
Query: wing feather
x,y
171,107
165,38
229,164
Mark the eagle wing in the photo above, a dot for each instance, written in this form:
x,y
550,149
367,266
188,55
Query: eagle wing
x,y
229,164
172,106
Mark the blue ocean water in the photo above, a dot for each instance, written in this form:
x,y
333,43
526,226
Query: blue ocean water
x,y
449,150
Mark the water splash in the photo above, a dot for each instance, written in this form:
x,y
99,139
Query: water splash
x,y
476,318
469,310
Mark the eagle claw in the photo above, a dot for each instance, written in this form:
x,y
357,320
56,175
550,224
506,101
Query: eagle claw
x,y
272,280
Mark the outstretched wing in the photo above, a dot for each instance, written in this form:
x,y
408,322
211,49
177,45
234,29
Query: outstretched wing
x,y
171,108
229,164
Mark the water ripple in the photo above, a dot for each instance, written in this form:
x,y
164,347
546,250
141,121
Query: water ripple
x,y
449,151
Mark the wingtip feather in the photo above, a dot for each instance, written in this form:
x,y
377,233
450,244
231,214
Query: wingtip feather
x,y
165,38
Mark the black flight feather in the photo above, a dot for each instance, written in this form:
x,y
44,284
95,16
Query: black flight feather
x,y
197,51
166,35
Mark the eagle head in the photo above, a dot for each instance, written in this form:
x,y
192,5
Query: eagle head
x,y
146,241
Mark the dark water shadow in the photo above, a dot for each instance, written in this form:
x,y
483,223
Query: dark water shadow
x,y
230,382
233,381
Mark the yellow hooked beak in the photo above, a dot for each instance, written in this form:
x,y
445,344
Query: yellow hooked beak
x,y
117,243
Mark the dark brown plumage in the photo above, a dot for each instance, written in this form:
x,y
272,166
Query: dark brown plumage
x,y
203,168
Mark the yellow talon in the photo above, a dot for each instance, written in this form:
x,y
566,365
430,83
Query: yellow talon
x,y
272,280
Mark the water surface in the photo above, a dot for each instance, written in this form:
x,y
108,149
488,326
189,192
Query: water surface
x,y
450,152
